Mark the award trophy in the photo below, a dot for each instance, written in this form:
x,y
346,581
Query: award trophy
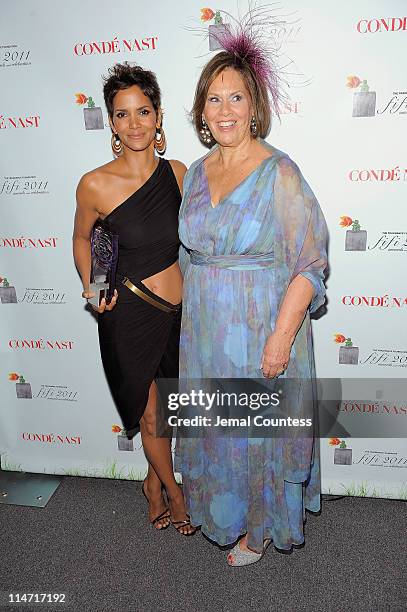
x,y
104,251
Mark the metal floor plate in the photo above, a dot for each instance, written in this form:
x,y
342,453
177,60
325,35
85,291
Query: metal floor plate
x,y
23,489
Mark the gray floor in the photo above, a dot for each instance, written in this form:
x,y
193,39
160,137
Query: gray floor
x,y
93,543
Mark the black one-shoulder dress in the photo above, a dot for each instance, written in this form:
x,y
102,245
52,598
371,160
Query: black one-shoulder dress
x,y
139,338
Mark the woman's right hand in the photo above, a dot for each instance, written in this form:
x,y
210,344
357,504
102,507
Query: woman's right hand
x,y
102,306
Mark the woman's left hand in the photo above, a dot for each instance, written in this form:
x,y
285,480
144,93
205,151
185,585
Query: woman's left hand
x,y
276,355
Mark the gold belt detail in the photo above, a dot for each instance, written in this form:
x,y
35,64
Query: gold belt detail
x,y
146,297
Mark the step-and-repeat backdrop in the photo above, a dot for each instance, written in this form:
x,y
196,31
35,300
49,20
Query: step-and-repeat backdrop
x,y
345,127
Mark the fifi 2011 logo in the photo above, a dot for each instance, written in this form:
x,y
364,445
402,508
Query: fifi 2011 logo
x,y
46,392
46,296
218,29
388,357
364,100
356,238
123,443
23,185
93,116
282,31
11,56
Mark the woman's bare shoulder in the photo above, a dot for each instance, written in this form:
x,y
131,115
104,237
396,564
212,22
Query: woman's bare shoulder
x,y
178,167
95,180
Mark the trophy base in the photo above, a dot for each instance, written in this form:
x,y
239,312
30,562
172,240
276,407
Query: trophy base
x,y
100,291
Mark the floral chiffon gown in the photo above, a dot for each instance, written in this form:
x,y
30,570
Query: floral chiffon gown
x,y
240,257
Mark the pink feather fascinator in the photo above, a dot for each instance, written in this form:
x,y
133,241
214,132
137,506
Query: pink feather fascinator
x,y
255,39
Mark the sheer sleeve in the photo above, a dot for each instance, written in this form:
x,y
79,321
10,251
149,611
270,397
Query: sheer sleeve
x,y
301,231
312,261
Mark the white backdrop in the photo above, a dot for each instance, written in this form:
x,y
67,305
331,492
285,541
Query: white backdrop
x,y
56,412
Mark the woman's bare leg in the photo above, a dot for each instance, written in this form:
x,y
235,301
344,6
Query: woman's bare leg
x,y
153,489
158,454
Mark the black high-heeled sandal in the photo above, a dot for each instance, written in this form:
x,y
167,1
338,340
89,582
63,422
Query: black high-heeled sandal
x,y
181,524
164,515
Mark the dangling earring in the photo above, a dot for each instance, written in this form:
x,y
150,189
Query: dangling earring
x,y
253,126
117,145
160,143
205,132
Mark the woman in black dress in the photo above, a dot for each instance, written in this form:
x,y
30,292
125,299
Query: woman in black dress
x,y
137,197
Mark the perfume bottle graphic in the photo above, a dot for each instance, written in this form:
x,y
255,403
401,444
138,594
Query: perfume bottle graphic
x,y
8,294
123,443
216,30
92,114
349,354
23,388
356,238
342,454
364,100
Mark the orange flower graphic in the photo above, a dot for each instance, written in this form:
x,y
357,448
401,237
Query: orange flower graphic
x,y
207,14
353,82
81,98
116,429
13,376
339,338
334,441
345,221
